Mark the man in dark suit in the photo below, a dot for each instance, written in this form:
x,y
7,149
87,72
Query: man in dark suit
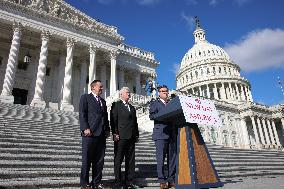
x,y
124,128
164,137
94,126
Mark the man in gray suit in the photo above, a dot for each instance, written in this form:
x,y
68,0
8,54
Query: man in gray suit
x,y
94,127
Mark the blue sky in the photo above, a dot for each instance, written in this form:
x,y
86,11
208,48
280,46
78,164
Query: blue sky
x,y
251,32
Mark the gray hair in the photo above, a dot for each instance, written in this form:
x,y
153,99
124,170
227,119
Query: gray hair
x,y
123,89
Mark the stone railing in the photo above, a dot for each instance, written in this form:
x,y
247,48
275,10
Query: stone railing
x,y
139,99
135,99
136,51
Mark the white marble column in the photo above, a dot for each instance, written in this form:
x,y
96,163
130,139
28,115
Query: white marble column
x,y
282,122
207,91
113,56
121,76
249,94
255,130
275,133
243,93
232,96
223,92
265,131
270,134
137,82
83,77
245,133
6,94
38,100
103,79
193,92
92,65
228,93
219,138
260,131
215,92
200,91
66,99
238,92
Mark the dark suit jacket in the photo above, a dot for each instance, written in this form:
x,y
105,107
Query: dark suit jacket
x,y
123,122
93,116
160,130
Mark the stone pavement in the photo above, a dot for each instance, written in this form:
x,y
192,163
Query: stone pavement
x,y
264,182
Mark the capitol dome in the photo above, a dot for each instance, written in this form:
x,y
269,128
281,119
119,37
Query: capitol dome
x,y
206,70
203,50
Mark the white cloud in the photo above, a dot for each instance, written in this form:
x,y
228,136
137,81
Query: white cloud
x,y
175,68
190,22
147,2
259,50
213,2
238,2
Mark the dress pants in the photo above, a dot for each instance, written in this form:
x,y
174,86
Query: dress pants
x,y
124,148
93,153
166,147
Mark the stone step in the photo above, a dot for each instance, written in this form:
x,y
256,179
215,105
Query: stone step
x,y
50,182
10,147
109,156
38,153
70,181
147,168
61,151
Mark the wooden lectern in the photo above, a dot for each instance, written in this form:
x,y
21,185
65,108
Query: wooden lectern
x,y
194,167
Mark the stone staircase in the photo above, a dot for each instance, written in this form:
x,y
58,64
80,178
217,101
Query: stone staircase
x,y
39,151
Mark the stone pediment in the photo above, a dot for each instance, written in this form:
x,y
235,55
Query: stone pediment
x,y
60,11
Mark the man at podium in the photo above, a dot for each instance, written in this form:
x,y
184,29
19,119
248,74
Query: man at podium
x,y
164,136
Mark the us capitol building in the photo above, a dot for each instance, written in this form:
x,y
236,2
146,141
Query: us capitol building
x,y
207,71
50,51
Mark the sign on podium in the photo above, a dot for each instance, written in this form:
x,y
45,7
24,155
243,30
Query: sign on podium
x,y
194,166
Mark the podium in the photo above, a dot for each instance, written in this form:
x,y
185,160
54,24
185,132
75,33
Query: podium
x,y
194,166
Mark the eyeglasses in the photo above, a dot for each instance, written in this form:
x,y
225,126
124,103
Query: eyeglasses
x,y
163,91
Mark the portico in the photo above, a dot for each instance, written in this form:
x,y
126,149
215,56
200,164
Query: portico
x,y
64,61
